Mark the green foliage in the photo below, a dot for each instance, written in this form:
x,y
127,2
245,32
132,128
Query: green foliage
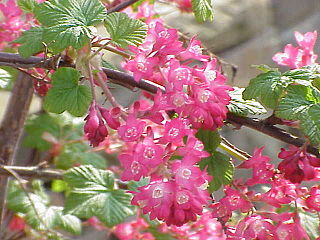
x,y
58,126
134,185
302,103
93,194
67,22
267,88
124,30
31,41
210,139
243,107
58,185
202,10
36,126
66,94
38,214
310,222
79,153
220,167
27,5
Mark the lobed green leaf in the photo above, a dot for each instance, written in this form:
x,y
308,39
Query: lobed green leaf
x,y
202,10
124,30
66,94
243,107
93,194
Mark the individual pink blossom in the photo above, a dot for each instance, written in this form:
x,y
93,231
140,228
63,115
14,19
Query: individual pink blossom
x,y
187,175
193,51
175,130
111,116
221,212
234,200
282,192
291,230
313,201
193,148
94,128
132,129
255,227
156,198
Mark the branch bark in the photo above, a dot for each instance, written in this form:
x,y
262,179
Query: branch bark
x,y
11,129
14,60
32,172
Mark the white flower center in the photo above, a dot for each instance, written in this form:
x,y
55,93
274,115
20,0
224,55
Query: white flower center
x,y
210,75
173,132
157,192
135,167
149,153
186,173
131,132
182,198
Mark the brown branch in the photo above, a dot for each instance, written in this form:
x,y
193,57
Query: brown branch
x,y
14,60
270,130
11,129
122,6
31,172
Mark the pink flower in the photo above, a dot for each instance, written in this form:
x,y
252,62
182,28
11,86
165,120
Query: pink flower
x,y
235,201
94,128
132,130
17,223
194,51
175,130
255,227
111,116
297,57
289,231
281,192
193,148
11,9
297,165
156,198
313,201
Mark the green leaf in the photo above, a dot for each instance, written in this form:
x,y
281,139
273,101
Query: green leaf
x,y
78,153
302,103
243,107
27,5
93,194
124,30
265,68
266,88
41,217
298,100
67,22
220,167
210,139
134,185
202,10
68,222
308,73
66,94
36,126
31,41
310,123
5,78
18,201
310,222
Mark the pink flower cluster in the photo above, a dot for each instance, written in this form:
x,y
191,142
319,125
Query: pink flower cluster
x,y
197,93
13,24
297,57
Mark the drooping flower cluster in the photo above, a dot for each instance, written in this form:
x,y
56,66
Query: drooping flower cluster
x,y
297,57
298,165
